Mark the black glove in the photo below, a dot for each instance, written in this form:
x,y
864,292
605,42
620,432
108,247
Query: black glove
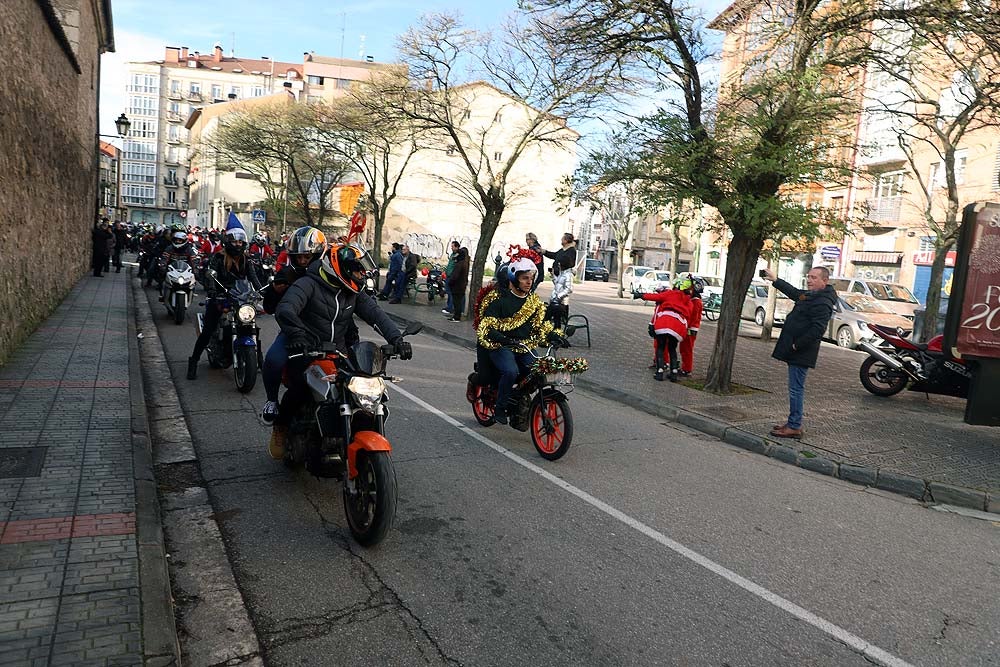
x,y
636,295
296,346
403,349
556,339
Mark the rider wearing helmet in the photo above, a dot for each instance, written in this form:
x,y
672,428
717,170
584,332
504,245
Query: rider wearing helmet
x,y
319,308
694,323
224,269
670,323
180,248
305,247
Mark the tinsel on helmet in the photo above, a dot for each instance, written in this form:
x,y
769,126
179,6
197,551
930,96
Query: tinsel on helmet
x,y
574,366
516,252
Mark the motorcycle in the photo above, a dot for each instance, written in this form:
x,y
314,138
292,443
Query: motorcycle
x,y
340,432
177,288
235,342
537,403
436,282
903,364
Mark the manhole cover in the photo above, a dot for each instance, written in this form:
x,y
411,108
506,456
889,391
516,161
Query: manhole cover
x,y
21,461
727,414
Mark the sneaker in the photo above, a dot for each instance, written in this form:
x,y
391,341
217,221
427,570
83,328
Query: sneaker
x,y
269,412
453,319
658,376
276,447
500,416
446,311
391,301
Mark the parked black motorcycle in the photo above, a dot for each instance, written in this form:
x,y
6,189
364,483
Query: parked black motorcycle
x,y
903,364
437,283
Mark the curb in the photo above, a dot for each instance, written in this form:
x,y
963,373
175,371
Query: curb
x,y
927,491
160,644
212,615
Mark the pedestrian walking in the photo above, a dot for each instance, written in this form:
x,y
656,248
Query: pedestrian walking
x,y
100,238
458,284
395,273
798,344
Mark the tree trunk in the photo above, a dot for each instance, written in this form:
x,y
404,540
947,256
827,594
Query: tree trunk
x,y
934,292
620,261
378,221
675,238
741,261
487,229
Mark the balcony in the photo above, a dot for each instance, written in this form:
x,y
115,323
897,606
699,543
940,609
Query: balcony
x,y
175,141
194,96
173,117
171,159
171,182
175,95
137,201
169,204
184,203
884,210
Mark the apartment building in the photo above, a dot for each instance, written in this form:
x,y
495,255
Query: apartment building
x,y
108,181
885,204
161,96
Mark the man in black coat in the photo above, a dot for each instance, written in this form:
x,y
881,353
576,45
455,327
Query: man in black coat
x,y
100,237
798,344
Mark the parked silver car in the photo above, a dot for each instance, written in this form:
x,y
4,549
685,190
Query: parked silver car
x,y
755,303
853,313
897,298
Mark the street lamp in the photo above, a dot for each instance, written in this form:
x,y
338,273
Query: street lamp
x,y
122,124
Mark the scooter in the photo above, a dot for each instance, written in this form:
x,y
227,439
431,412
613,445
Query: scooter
x,y
903,364
178,285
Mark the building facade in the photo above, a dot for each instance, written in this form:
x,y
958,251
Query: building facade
x,y
108,183
48,128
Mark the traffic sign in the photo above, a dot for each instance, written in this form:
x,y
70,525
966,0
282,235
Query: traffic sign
x,y
258,215
830,252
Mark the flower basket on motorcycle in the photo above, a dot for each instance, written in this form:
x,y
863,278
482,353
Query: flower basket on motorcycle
x,y
560,371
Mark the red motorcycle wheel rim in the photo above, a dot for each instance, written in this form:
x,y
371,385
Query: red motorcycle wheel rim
x,y
482,406
548,442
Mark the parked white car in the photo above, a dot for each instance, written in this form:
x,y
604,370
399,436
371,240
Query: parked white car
x,y
632,276
652,281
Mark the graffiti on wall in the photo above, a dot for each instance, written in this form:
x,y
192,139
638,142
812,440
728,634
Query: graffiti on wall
x,y
432,247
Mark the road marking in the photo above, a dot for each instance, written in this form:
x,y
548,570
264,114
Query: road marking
x,y
864,647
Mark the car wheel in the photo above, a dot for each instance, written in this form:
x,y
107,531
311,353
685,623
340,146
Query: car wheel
x,y
758,317
845,337
606,278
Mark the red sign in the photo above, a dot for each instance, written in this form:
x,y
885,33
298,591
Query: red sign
x,y
926,258
978,333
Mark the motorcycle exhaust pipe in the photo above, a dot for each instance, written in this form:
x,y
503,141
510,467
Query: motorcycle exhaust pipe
x,y
894,363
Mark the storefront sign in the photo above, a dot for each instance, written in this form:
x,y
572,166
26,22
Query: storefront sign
x,y
926,258
974,314
830,252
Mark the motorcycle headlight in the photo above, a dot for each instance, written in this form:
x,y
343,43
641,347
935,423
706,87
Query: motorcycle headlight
x,y
367,391
246,313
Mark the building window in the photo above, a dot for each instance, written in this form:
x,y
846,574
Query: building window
x,y
467,115
343,84
216,91
926,244
139,172
497,156
237,91
141,105
258,91
140,150
939,176
171,196
315,80
195,88
175,107
175,86
144,83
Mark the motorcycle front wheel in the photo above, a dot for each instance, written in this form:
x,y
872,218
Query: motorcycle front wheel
x,y
215,360
180,310
551,424
371,508
245,371
483,401
881,379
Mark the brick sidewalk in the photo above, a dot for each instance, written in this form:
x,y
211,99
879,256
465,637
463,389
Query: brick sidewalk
x,y
909,434
69,566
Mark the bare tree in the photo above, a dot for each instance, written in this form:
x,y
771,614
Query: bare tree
x,y
526,85
375,140
936,90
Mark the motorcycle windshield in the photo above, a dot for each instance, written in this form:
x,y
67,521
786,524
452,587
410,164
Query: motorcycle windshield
x,y
366,358
179,265
241,292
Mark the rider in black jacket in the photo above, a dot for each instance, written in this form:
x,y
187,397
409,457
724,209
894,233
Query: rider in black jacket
x,y
320,308
228,266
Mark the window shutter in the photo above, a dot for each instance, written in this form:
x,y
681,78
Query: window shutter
x,y
995,181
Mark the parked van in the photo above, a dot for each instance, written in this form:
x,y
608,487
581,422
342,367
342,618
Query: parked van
x,y
893,296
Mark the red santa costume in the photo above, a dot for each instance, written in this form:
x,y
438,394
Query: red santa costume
x,y
687,345
670,326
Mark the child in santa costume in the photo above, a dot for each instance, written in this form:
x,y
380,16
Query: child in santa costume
x,y
670,324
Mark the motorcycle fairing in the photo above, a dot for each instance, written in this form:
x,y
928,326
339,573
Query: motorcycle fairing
x,y
247,341
369,441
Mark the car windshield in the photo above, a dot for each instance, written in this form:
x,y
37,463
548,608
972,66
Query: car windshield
x,y
890,292
642,270
595,264
762,292
663,275
863,303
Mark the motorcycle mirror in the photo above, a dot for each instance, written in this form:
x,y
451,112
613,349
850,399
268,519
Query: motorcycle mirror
x,y
413,328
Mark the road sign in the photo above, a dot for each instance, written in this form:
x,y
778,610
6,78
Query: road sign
x,y
258,215
830,252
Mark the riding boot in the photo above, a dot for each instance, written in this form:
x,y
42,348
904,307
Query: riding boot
x,y
673,370
192,373
276,447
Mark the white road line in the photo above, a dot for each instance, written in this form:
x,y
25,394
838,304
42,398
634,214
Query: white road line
x,y
866,648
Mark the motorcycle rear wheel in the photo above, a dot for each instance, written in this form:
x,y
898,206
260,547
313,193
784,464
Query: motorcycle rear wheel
x,y
551,424
180,311
483,403
880,379
245,371
371,510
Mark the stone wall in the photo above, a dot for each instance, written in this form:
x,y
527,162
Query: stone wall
x,y
48,123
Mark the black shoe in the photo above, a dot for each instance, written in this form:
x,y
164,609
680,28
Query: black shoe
x,y
673,376
453,319
391,301
500,416
658,376
192,369
684,374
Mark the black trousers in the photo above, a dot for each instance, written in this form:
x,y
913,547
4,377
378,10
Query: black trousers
x,y
458,304
213,313
666,351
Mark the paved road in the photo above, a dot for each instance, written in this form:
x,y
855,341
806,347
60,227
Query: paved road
x,y
628,551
